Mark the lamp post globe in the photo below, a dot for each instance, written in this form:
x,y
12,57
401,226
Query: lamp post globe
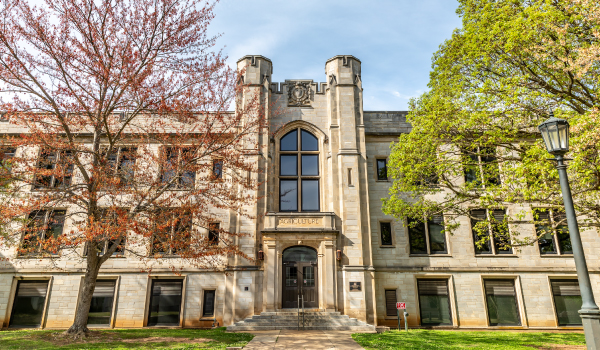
x,y
555,133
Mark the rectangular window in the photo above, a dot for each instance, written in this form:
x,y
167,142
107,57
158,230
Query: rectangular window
x,y
56,169
165,303
213,233
552,231
350,177
28,305
434,302
567,300
217,169
390,302
121,161
178,170
173,230
102,303
490,226
6,154
386,233
41,226
501,300
108,217
382,169
481,166
208,309
427,237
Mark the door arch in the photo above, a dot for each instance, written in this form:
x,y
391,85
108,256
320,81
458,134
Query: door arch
x,y
300,277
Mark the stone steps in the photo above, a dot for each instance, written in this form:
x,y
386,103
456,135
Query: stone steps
x,y
313,320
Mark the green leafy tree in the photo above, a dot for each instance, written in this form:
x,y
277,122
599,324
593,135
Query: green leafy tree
x,y
474,142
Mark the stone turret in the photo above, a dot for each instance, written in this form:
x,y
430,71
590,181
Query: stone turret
x,y
258,69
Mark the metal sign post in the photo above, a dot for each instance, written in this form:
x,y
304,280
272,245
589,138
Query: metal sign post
x,y
402,306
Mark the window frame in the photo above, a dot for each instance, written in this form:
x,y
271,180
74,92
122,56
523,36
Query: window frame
x,y
170,253
6,150
116,280
204,315
179,184
37,186
491,238
213,172
116,171
392,235
45,229
217,231
482,181
518,299
376,168
560,278
556,241
429,252
148,311
299,178
117,253
10,307
385,291
447,280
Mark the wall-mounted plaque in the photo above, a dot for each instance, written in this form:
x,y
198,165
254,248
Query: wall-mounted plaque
x,y
355,287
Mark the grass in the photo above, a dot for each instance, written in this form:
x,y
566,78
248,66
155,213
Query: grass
x,y
497,340
125,339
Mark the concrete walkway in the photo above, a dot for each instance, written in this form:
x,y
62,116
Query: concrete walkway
x,y
313,340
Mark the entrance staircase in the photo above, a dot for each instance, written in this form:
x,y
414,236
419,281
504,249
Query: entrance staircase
x,y
288,319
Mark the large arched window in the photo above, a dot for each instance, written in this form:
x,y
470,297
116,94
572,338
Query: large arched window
x,y
299,171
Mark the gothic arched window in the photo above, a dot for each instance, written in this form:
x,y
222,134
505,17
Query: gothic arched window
x,y
299,171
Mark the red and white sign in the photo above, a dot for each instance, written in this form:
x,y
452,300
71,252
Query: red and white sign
x,y
401,306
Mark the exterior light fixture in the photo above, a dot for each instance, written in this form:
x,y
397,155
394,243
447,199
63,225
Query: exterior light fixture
x,y
555,132
556,137
260,255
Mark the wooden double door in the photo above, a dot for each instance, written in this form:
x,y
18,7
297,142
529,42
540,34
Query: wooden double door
x,y
300,278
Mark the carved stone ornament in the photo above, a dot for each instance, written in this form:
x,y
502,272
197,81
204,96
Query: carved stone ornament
x,y
299,94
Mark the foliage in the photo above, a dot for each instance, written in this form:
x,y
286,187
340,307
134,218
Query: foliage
x,y
428,339
126,339
474,141
118,113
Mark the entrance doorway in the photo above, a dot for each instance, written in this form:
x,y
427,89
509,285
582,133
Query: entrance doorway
x,y
300,277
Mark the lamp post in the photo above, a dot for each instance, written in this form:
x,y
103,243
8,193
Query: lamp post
x,y
556,137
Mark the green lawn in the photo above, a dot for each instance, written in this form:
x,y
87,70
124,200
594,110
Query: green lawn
x,y
433,339
125,339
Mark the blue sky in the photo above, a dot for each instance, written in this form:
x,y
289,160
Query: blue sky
x,y
394,39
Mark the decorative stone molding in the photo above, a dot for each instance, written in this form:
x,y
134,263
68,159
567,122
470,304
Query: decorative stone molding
x,y
299,222
299,93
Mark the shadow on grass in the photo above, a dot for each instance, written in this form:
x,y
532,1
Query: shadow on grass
x,y
146,338
497,340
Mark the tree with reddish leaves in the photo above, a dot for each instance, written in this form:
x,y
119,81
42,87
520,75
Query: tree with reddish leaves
x,y
118,141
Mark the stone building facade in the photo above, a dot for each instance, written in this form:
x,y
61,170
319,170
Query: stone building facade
x,y
324,237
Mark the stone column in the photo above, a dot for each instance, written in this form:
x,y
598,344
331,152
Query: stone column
x,y
329,273
271,275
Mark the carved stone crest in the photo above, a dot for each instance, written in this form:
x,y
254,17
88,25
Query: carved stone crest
x,y
299,94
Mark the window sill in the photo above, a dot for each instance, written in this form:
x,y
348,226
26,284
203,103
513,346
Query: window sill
x,y
382,180
546,256
387,246
496,256
430,255
207,318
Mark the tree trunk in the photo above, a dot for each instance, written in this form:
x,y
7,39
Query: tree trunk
x,y
79,327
